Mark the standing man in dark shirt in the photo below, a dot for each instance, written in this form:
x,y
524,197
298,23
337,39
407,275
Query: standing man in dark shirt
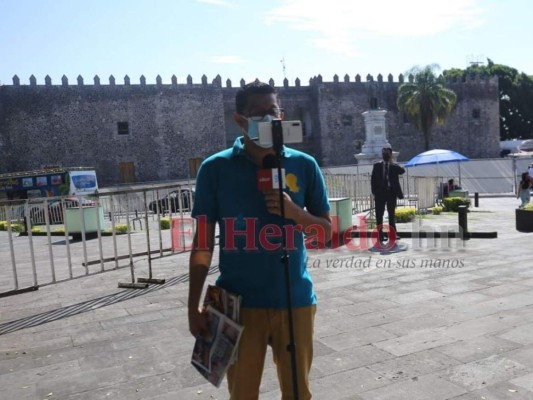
x,y
386,189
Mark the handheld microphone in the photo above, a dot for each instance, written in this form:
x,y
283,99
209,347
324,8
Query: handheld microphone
x,y
267,176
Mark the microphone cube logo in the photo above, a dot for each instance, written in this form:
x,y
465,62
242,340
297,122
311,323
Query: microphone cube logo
x,y
275,179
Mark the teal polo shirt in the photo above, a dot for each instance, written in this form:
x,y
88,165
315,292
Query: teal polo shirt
x,y
250,237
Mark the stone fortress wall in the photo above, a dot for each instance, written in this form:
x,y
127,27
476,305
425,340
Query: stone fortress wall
x,y
157,128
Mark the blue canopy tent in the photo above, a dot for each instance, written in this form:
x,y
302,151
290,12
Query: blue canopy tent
x,y
437,156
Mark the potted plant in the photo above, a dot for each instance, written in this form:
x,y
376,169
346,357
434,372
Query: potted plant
x,y
524,218
452,203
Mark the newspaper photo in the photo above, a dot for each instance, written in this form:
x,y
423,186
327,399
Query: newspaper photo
x,y
212,353
223,301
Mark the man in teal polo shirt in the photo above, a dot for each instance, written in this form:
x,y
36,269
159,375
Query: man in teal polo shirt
x,y
250,247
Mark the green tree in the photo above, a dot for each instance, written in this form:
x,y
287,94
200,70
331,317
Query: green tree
x,y
515,97
425,100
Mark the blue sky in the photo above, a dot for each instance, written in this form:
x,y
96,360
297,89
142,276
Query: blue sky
x,y
248,38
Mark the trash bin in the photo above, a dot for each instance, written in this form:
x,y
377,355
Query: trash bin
x,y
341,210
74,222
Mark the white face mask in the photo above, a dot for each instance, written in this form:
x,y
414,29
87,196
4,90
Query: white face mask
x,y
253,128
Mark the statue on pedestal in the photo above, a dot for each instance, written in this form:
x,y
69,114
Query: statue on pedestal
x,y
375,135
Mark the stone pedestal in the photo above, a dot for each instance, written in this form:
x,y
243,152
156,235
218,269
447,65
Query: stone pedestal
x,y
375,137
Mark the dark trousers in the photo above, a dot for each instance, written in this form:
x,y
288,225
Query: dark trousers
x,y
387,198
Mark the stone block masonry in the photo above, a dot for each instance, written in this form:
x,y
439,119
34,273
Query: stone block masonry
x,y
154,129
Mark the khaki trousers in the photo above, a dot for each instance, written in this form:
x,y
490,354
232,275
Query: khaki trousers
x,y
270,327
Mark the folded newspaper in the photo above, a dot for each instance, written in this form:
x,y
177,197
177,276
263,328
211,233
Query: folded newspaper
x,y
217,350
223,301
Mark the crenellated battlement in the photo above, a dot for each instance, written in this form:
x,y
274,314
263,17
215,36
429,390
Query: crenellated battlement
x,y
217,81
467,79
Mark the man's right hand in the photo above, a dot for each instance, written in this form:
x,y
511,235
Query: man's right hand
x,y
197,322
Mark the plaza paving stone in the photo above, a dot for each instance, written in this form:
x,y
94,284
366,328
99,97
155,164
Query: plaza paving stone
x,y
453,321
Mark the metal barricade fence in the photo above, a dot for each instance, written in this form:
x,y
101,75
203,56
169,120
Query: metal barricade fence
x,y
419,192
72,237
357,187
49,240
483,176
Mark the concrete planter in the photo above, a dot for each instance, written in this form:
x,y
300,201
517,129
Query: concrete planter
x,y
524,220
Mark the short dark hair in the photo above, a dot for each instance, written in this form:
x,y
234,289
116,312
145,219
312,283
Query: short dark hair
x,y
256,87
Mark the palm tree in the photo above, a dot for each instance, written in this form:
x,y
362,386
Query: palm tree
x,y
425,101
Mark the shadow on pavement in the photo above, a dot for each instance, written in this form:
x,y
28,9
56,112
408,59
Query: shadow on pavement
x,y
75,309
